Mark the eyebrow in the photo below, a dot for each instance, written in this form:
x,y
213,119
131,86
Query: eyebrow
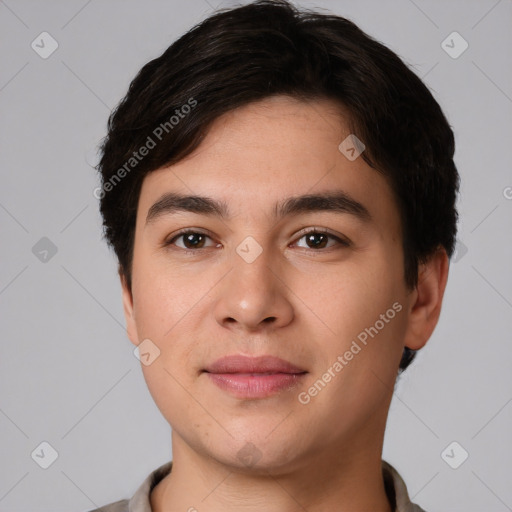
x,y
336,201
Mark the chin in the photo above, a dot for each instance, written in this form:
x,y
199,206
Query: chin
x,y
258,454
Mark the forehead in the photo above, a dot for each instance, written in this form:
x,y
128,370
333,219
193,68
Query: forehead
x,y
255,156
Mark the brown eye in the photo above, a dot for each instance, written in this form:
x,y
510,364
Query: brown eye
x,y
190,239
316,240
193,240
319,239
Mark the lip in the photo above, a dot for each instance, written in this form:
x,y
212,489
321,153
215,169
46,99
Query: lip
x,y
254,377
248,364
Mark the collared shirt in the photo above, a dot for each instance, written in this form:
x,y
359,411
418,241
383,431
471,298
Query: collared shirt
x,y
396,491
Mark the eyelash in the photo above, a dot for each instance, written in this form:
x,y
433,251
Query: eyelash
x,y
341,241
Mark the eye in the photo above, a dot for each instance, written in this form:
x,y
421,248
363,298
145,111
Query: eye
x,y
316,239
191,240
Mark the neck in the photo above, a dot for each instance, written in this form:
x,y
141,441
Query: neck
x,y
342,479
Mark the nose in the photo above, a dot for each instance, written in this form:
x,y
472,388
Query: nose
x,y
253,296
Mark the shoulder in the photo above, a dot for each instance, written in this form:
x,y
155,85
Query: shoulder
x,y
395,486
140,501
118,506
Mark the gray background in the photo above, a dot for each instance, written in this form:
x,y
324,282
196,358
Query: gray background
x,y
68,373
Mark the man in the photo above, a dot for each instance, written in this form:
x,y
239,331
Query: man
x,y
279,190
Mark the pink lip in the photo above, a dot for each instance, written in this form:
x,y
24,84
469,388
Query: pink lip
x,y
254,377
246,364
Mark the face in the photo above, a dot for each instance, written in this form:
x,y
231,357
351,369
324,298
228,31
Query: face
x,y
250,279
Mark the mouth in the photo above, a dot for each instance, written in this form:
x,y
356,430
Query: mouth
x,y
254,377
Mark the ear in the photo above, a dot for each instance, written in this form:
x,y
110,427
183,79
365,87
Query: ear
x,y
427,298
131,325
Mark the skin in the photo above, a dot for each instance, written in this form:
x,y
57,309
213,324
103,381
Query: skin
x,y
301,303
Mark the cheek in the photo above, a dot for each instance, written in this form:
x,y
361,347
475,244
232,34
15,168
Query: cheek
x,y
163,297
354,295
366,316
170,394
164,313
